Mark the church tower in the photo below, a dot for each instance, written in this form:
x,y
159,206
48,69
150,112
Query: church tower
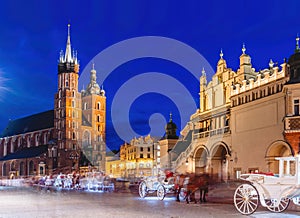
x,y
67,110
94,123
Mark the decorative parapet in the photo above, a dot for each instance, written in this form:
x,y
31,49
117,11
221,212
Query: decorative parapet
x,y
292,124
269,75
210,133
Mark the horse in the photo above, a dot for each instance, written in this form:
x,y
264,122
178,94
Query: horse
x,y
197,182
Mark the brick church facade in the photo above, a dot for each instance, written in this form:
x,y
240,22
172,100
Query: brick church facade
x,y
67,138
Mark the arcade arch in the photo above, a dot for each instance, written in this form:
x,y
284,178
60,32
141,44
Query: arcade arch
x,y
278,149
200,158
219,155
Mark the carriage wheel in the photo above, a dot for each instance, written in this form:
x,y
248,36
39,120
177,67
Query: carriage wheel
x,y
282,206
182,194
160,192
246,199
296,200
143,189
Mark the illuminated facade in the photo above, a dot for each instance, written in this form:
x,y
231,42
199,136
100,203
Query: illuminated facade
x,y
246,119
60,140
144,156
138,158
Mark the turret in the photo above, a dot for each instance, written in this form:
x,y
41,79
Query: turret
x,y
294,64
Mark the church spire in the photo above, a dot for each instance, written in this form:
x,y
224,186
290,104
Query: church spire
x,y
68,55
297,44
68,61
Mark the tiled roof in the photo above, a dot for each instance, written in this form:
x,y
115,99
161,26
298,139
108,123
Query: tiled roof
x,y
182,145
44,120
26,153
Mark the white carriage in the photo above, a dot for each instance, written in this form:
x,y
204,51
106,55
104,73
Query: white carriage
x,y
160,184
272,191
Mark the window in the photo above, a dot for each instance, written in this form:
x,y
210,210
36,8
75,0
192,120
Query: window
x,y
141,149
73,103
296,107
98,106
74,135
85,106
98,118
141,155
148,148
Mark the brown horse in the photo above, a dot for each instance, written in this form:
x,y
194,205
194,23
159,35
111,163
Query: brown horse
x,y
197,182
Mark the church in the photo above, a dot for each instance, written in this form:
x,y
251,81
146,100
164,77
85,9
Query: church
x,y
69,137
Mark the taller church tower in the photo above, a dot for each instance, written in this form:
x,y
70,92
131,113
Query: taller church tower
x,y
67,110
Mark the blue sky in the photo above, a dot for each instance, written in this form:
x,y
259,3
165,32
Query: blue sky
x,y
33,33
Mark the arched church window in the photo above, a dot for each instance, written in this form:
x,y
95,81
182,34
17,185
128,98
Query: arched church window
x,y
86,138
85,106
74,135
98,105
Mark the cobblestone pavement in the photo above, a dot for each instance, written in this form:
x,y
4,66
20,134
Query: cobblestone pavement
x,y
32,203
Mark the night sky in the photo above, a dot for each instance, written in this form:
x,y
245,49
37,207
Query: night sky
x,y
32,34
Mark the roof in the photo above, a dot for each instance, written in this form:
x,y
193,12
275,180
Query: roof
x,y
44,120
182,145
26,153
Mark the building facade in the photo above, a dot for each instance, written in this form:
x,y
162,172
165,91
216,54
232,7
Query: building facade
x,y
60,140
137,159
144,156
246,119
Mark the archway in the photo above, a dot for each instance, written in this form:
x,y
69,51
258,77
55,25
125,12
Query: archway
x,y
22,169
220,154
200,157
31,168
4,170
278,149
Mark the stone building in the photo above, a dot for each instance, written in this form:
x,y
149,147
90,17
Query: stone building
x,y
60,140
246,119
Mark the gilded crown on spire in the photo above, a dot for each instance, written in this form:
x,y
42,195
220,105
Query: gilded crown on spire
x,y
221,54
244,48
68,60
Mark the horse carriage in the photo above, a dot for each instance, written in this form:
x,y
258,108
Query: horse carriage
x,y
96,181
162,185
272,191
